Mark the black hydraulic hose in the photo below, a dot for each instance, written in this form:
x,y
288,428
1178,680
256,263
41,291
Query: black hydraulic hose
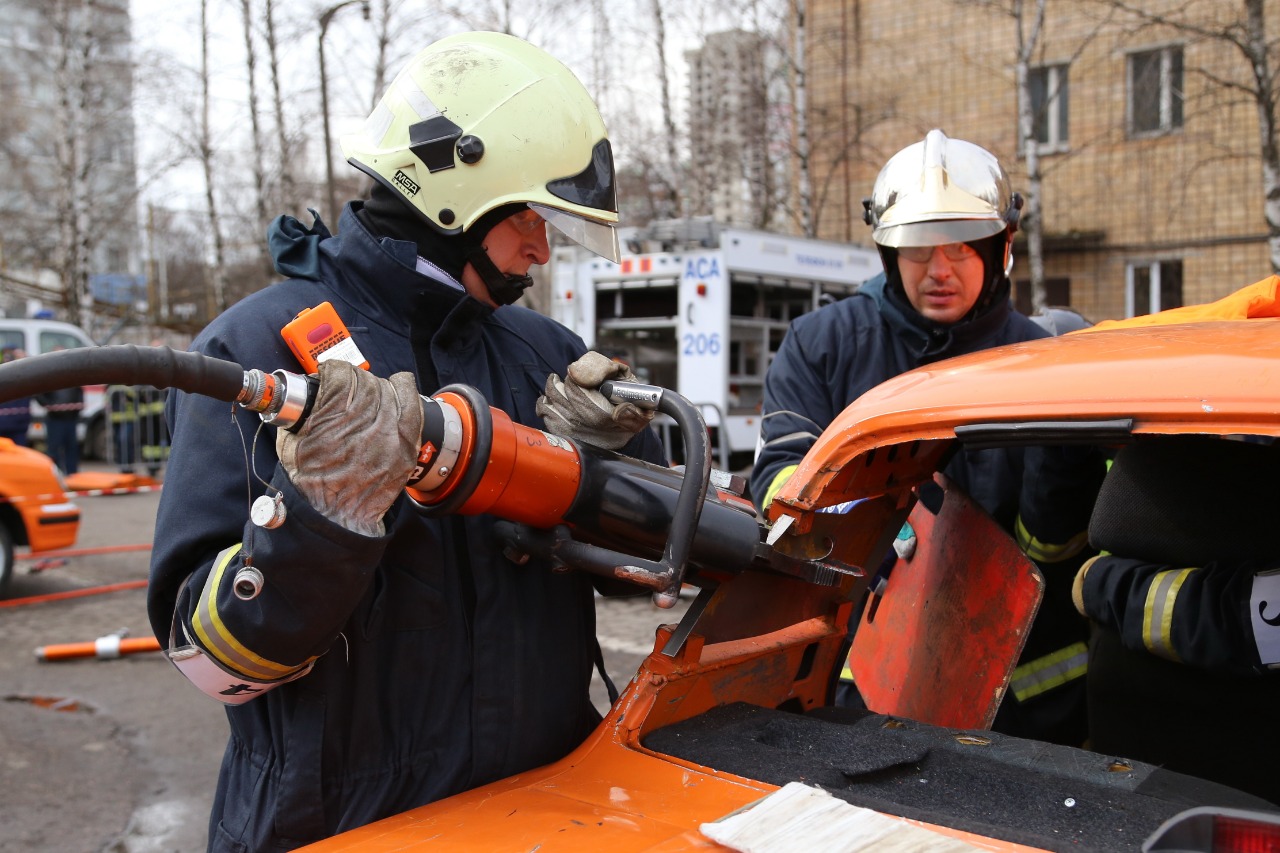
x,y
161,367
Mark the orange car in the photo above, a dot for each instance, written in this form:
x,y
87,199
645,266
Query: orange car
x,y
34,509
734,703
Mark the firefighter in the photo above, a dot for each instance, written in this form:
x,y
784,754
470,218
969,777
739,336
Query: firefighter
x,y
153,434
122,403
391,658
1184,667
63,409
943,216
15,415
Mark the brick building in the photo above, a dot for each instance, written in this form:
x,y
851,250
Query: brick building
x,y
1152,183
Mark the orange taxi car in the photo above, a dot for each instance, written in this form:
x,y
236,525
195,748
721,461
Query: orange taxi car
x,y
735,702
34,509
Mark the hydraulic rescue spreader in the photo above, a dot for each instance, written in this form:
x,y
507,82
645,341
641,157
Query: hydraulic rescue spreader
x,y
570,503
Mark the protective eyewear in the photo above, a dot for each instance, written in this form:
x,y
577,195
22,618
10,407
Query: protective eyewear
x,y
526,221
950,251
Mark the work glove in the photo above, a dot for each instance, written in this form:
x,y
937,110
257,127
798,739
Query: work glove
x,y
1077,585
575,408
357,449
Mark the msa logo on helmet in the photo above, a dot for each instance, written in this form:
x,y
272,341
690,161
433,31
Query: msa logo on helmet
x,y
406,183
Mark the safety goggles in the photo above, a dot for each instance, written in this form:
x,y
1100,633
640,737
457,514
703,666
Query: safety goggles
x,y
526,221
950,251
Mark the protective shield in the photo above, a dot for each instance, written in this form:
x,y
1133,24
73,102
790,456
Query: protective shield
x,y
939,643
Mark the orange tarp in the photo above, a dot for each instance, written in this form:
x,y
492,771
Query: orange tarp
x,y
1260,299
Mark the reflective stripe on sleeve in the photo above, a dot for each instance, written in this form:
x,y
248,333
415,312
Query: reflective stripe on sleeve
x,y
1046,552
778,480
217,639
1049,671
1157,615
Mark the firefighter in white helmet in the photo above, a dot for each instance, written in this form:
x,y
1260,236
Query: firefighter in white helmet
x,y
943,216
389,659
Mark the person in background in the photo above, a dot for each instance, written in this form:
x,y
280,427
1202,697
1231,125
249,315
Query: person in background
x,y
122,408
153,434
62,416
1184,664
390,657
943,216
15,415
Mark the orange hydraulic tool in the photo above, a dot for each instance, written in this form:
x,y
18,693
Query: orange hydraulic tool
x,y
575,505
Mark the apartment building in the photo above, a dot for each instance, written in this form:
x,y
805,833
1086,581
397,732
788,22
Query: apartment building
x,y
727,106
67,153
1152,181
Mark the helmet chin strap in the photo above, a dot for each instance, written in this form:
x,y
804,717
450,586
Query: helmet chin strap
x,y
504,288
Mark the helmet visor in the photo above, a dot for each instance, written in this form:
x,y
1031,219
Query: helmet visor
x,y
937,232
598,237
593,186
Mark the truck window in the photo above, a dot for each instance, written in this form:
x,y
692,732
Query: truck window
x,y
50,341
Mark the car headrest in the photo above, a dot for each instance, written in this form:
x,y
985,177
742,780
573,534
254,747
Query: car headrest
x,y
1189,500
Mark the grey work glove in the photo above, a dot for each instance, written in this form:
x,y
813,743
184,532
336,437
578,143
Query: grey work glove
x,y
356,451
575,408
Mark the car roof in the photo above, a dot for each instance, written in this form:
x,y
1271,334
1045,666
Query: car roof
x,y
1218,378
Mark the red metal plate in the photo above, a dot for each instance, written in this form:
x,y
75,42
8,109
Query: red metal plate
x,y
942,640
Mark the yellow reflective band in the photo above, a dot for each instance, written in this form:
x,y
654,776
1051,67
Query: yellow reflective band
x,y
218,641
1052,670
1045,552
1157,615
846,674
781,477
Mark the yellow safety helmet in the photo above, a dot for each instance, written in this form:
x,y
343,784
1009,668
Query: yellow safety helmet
x,y
481,120
941,191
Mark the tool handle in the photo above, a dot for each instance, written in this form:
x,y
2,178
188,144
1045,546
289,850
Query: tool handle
x,y
103,648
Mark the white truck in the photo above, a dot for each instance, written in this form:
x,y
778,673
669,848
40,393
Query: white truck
x,y
701,309
39,336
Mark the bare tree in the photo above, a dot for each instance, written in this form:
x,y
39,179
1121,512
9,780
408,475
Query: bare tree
x,y
384,31
1246,33
73,28
218,274
259,157
1028,19
288,184
800,99
1028,38
668,111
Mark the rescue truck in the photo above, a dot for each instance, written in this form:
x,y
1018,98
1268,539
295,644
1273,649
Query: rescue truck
x,y
701,308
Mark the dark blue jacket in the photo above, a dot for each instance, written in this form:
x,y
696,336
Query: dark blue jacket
x,y
832,356
441,665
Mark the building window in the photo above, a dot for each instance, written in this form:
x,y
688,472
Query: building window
x,y
1048,90
1057,294
1152,287
1155,91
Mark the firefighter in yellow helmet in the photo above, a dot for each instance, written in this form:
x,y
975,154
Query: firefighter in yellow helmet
x,y
388,658
943,215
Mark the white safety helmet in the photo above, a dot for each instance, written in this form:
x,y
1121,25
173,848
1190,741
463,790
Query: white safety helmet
x,y
941,191
482,120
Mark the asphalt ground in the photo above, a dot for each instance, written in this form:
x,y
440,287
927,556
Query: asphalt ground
x,y
122,755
